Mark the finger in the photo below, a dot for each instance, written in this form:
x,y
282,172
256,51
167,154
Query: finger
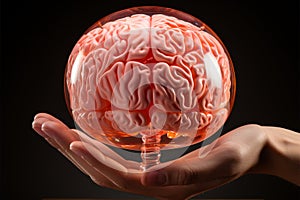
x,y
60,137
80,158
231,156
202,152
177,173
100,164
108,152
246,135
37,125
60,133
49,117
41,118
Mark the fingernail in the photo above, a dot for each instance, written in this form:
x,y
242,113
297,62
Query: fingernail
x,y
155,179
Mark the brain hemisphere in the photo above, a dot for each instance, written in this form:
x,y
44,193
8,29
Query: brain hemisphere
x,y
148,70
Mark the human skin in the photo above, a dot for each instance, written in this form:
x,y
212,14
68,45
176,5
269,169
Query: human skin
x,y
247,149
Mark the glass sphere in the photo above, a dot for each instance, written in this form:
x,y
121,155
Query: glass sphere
x,y
149,71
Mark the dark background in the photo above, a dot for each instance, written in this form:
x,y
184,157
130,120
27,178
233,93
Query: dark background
x,y
37,37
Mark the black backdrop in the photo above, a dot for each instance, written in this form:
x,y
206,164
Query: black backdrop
x,y
37,37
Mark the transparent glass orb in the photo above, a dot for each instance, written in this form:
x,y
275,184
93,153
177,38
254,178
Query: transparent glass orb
x,y
148,78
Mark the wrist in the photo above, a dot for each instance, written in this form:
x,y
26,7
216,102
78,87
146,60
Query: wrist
x,y
280,155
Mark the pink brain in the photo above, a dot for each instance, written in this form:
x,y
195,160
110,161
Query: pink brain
x,y
148,71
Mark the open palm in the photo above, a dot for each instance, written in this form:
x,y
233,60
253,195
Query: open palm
x,y
226,159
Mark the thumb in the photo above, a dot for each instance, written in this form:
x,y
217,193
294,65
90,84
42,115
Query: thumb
x,y
219,166
233,154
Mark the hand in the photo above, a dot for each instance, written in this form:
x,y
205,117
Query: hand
x,y
248,149
93,159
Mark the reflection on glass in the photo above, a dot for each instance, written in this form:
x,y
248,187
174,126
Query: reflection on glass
x,y
149,78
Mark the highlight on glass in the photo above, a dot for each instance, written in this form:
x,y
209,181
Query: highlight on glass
x,y
148,79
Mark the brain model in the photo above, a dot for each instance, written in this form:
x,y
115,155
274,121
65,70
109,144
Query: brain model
x,y
146,74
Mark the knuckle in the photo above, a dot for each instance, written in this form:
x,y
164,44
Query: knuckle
x,y
253,126
258,132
